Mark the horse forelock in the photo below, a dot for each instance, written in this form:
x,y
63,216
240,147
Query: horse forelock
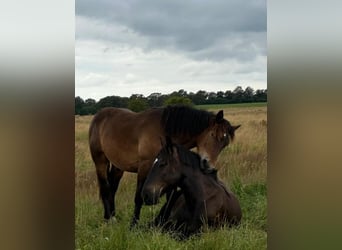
x,y
228,129
183,120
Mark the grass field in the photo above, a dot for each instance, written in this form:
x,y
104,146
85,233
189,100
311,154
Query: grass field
x,y
235,105
242,167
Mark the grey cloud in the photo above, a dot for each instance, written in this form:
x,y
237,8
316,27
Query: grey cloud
x,y
197,28
239,46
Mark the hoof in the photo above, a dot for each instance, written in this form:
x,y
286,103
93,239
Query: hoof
x,y
111,220
133,224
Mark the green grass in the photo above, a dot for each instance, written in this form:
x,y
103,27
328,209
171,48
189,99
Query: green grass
x,y
242,167
235,105
92,233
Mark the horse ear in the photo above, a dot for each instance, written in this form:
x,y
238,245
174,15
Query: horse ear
x,y
219,116
236,127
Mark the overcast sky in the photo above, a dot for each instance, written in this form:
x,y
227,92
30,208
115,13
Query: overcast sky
x,y
141,47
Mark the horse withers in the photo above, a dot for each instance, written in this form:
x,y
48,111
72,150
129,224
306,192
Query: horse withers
x,y
202,198
121,140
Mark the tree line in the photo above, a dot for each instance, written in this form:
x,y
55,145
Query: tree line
x,y
138,102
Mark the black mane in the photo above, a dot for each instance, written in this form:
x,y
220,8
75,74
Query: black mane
x,y
180,120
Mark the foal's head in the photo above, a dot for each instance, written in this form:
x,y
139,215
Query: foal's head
x,y
165,173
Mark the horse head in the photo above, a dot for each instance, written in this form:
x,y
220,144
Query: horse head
x,y
164,173
216,137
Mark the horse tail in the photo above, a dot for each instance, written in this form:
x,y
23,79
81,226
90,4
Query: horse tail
x,y
94,138
95,144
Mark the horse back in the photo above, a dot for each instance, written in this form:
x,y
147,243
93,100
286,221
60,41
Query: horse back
x,y
124,136
221,204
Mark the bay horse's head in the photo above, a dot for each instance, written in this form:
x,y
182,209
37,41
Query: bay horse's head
x,y
216,137
165,173
190,127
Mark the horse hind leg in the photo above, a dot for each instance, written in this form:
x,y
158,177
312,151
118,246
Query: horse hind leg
x,y
114,177
102,165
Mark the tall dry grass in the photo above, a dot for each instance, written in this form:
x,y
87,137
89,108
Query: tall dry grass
x,y
246,156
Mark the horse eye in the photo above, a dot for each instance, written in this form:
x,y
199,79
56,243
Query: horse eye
x,y
225,137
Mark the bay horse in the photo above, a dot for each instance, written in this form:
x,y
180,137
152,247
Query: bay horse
x,y
202,198
122,140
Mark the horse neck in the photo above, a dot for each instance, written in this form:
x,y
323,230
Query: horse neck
x,y
192,187
186,141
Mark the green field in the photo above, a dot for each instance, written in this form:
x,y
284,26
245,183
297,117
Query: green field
x,y
242,167
235,105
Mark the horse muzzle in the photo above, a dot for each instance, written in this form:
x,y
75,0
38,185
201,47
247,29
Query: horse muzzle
x,y
151,197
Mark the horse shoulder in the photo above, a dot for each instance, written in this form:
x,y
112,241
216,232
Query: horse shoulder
x,y
150,135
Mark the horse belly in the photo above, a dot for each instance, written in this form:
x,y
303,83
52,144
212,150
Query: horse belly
x,y
126,160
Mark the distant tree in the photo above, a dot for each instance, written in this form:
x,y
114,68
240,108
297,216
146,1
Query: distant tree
x,y
199,98
212,97
90,102
228,96
191,96
261,95
112,101
220,94
88,107
182,92
248,94
155,100
178,100
220,97
137,103
174,93
238,94
79,103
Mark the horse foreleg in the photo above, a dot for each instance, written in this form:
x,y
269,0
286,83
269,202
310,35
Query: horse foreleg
x,y
198,217
138,201
165,211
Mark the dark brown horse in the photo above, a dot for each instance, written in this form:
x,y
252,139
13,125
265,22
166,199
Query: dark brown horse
x,y
202,198
121,140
